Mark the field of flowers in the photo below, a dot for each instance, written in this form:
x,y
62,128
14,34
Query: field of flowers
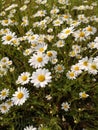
x,y
48,65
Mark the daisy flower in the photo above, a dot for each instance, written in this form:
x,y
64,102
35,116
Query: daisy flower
x,y
93,68
4,108
20,96
76,68
60,43
84,62
30,128
83,95
71,75
65,106
41,77
4,93
38,60
52,54
80,35
59,68
57,22
7,38
48,97
23,78
90,30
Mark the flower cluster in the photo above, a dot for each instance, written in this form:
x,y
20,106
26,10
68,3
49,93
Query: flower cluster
x,y
53,46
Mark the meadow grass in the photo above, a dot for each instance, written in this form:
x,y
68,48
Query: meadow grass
x,y
67,100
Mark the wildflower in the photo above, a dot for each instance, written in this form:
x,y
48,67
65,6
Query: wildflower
x,y
38,60
93,68
27,52
60,43
52,54
48,97
4,108
7,38
59,68
84,62
57,22
76,68
41,77
71,75
30,128
20,96
23,78
65,106
4,93
90,30
83,95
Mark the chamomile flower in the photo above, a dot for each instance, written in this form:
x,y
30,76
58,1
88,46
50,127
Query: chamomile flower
x,y
20,96
60,43
90,30
83,95
27,52
93,68
76,68
80,35
24,78
41,47
71,75
7,38
9,103
4,108
33,38
65,106
30,128
40,13
59,68
41,77
91,45
57,22
38,60
84,62
48,97
4,93
54,11
52,54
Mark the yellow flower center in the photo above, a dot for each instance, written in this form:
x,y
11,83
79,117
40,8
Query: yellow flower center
x,y
34,45
14,41
82,34
41,78
33,37
89,29
65,16
67,31
93,67
8,38
84,95
59,68
65,106
41,49
76,68
20,95
3,93
4,108
57,22
6,21
24,77
85,63
39,59
71,74
49,54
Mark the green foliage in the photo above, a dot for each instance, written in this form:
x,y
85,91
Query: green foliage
x,y
38,110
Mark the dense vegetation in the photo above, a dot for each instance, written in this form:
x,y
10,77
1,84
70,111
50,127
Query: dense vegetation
x,y
49,65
